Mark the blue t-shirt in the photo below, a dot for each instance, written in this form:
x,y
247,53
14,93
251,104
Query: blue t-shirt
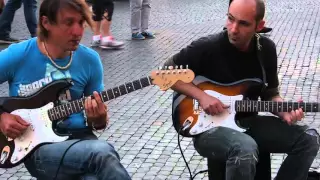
x,y
26,69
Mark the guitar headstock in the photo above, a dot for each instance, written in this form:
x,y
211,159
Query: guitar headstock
x,y
168,76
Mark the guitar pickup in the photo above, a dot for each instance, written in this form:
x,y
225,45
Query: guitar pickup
x,y
196,107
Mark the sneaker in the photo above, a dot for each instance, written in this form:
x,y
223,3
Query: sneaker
x,y
8,40
148,35
137,36
111,42
265,30
95,43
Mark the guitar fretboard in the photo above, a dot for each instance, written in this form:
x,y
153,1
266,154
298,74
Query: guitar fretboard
x,y
65,110
272,106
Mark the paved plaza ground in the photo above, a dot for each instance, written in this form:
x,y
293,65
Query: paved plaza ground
x,y
141,126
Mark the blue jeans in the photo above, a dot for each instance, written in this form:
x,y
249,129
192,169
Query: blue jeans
x,y
240,151
6,17
87,159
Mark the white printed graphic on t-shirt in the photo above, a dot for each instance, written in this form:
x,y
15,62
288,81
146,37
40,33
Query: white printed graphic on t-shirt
x,y
51,74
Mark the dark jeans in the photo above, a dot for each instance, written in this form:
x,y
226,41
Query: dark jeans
x,y
6,17
89,159
217,169
269,134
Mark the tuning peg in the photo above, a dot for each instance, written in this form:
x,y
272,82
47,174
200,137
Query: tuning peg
x,y
159,70
177,67
181,67
170,70
179,70
185,70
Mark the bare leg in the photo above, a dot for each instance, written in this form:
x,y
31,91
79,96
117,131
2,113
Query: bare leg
x,y
107,39
96,27
105,26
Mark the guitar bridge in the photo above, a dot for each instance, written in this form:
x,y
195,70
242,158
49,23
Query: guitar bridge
x,y
196,107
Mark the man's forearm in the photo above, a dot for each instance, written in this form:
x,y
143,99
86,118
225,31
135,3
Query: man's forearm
x,y
188,89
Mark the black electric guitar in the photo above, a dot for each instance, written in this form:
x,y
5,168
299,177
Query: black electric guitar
x,y
41,112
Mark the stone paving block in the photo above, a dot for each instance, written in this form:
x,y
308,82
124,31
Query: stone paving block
x,y
13,178
25,177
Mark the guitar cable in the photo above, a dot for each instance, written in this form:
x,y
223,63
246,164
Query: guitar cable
x,y
182,128
64,154
185,125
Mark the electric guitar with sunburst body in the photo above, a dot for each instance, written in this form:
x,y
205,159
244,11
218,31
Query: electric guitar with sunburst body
x,y
190,120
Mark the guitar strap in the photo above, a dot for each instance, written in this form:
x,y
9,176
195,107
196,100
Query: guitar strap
x,y
260,59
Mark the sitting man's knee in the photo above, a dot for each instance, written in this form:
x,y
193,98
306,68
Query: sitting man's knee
x,y
246,150
310,139
103,150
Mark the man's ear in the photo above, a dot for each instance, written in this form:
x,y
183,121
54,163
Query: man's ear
x,y
260,25
45,22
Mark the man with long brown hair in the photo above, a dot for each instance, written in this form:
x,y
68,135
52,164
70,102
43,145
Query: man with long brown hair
x,y
57,54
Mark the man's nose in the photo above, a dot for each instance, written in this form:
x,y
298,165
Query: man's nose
x,y
235,28
78,30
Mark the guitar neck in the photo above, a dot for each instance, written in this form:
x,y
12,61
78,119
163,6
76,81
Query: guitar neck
x,y
65,110
272,106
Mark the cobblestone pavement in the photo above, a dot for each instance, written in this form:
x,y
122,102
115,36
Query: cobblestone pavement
x,y
141,127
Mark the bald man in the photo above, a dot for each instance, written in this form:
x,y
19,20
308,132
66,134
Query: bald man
x,y
264,29
231,57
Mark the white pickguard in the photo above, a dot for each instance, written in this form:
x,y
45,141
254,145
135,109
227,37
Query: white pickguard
x,y
40,131
225,119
